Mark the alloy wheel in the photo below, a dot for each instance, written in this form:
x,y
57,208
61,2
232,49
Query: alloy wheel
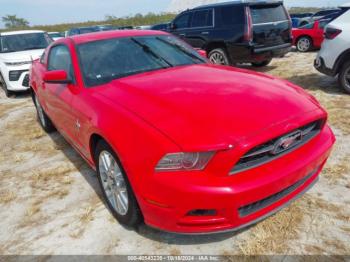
x,y
304,44
347,78
217,58
113,182
40,111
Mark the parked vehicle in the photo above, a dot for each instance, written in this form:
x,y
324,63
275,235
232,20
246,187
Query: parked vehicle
x,y
256,33
186,145
319,15
83,30
55,35
309,36
295,22
334,56
161,27
143,27
17,50
106,27
301,15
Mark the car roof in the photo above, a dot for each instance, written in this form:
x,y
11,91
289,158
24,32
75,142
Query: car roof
x,y
236,2
91,37
22,32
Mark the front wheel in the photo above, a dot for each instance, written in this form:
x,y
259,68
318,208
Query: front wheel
x,y
219,56
262,64
344,77
304,44
116,187
44,120
8,93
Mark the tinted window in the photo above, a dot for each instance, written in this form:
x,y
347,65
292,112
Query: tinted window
x,y
323,24
231,15
88,30
268,13
308,26
105,60
182,21
21,42
59,59
202,18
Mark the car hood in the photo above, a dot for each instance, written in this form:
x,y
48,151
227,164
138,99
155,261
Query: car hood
x,y
206,104
22,56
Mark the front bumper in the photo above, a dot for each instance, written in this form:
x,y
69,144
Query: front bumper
x,y
168,207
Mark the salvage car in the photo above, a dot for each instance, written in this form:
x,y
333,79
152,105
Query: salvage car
x,y
177,142
310,36
17,50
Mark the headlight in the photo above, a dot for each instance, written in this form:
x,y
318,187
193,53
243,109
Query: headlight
x,y
184,161
18,63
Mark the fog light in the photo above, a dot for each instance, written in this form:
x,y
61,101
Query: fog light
x,y
15,75
202,212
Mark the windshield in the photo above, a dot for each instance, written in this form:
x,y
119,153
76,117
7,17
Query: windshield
x,y
22,42
55,34
105,60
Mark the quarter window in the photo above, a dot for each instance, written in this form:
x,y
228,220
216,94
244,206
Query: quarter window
x,y
203,18
60,59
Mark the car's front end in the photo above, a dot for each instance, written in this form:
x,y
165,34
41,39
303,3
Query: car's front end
x,y
16,75
235,190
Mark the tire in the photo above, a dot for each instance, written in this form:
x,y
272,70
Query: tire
x,y
344,77
304,44
262,64
8,93
126,212
43,119
219,56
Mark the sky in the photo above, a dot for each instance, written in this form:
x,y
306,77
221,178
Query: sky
x,y
39,12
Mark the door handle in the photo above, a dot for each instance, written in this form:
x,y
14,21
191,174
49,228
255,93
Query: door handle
x,y
205,33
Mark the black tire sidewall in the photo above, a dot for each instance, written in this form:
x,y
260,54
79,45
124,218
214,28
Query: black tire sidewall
x,y
342,80
4,86
133,217
263,63
48,126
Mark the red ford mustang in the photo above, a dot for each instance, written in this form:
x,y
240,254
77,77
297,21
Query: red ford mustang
x,y
309,36
177,142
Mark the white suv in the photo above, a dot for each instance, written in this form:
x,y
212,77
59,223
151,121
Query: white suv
x,y
334,56
17,50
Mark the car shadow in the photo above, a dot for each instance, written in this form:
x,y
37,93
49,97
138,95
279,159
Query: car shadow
x,y
186,239
317,82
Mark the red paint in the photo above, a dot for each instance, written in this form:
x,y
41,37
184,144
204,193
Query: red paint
x,y
315,33
189,109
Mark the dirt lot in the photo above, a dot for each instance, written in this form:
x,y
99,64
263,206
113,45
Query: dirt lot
x,y
50,201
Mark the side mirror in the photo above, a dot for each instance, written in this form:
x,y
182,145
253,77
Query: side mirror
x,y
202,53
57,77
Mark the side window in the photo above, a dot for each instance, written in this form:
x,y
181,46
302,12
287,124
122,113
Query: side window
x,y
60,59
231,15
182,21
203,18
323,24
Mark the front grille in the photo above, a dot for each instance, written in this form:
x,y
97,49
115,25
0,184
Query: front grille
x,y
255,207
26,81
275,148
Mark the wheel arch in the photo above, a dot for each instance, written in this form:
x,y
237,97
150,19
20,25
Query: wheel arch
x,y
213,45
345,56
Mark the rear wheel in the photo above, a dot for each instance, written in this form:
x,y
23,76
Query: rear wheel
x,y
263,63
218,56
304,44
344,77
116,187
44,120
8,93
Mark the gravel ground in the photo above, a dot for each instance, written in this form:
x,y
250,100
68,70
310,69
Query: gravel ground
x,y
50,202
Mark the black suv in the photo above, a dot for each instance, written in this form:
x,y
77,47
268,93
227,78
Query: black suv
x,y
238,31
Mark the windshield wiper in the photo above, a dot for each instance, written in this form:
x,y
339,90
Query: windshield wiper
x,y
184,50
147,49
